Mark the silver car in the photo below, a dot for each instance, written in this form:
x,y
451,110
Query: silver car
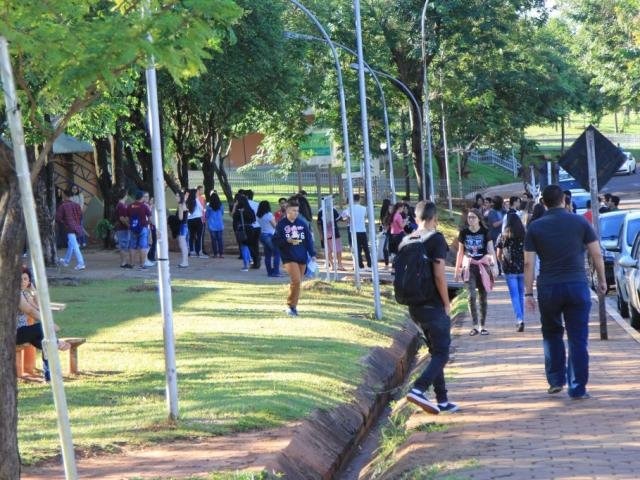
x,y
631,264
628,231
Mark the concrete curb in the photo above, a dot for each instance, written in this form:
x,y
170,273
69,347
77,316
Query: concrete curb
x,y
327,440
612,312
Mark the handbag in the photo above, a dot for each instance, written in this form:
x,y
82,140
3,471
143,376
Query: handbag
x,y
241,233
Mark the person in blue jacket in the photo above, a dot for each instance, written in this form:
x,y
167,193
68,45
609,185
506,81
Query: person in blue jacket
x,y
294,239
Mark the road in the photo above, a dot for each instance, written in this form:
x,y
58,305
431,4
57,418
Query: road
x,y
627,187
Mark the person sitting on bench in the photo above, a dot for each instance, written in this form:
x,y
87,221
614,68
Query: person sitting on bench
x,y
33,334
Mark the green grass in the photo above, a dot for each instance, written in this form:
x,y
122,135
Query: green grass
x,y
490,175
580,122
242,364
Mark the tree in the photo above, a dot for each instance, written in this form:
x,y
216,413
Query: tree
x,y
89,45
252,79
607,41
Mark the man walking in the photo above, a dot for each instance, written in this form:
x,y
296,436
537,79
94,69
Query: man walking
x,y
139,214
433,316
69,215
559,239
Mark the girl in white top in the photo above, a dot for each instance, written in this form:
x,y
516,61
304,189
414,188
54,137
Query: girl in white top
x,y
267,224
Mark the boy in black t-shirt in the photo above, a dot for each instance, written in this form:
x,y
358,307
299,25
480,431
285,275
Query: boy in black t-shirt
x,y
433,318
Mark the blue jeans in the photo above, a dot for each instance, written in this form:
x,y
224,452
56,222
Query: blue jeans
x,y
436,325
216,242
571,301
515,282
246,255
270,252
73,248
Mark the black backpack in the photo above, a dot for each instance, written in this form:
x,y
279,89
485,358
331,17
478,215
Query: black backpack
x,y
413,283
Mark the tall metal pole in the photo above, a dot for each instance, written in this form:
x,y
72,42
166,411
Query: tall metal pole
x,y
301,36
425,85
593,189
367,163
411,98
445,146
345,134
50,343
164,277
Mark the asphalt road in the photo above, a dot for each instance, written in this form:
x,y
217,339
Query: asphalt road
x,y
627,187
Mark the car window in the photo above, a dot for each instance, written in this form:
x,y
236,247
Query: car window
x,y
610,227
635,249
581,200
632,230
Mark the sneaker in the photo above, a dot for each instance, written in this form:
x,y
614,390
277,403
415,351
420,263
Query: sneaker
x,y
418,398
584,396
192,253
245,269
448,407
62,263
79,267
554,389
183,266
292,311
202,255
149,263
520,327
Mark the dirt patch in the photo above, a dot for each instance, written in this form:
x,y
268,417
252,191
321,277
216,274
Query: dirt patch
x,y
245,451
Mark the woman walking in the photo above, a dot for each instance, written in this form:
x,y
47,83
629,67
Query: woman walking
x,y
510,251
396,227
474,265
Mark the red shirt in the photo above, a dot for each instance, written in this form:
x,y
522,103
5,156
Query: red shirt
x,y
589,216
122,210
69,215
143,211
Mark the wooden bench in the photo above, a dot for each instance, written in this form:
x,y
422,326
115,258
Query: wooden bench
x,y
26,353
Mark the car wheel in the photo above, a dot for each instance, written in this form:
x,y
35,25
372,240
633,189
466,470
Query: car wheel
x,y
635,318
623,307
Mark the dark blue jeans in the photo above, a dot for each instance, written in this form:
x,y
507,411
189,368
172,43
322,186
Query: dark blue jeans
x,y
436,325
217,246
571,302
271,252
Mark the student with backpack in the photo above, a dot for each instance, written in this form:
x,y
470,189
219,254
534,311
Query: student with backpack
x,y
421,284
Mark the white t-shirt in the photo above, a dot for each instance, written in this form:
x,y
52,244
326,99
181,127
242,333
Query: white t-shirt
x,y
265,223
359,216
197,211
254,206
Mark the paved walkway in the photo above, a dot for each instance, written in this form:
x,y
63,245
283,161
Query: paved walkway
x,y
509,427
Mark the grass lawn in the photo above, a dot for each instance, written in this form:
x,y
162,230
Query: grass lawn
x,y
580,122
242,363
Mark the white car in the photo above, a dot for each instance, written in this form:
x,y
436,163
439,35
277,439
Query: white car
x,y
580,197
628,231
629,165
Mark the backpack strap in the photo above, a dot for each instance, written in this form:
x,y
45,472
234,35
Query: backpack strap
x,y
417,236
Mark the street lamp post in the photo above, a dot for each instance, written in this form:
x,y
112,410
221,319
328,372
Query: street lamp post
x,y
345,132
367,162
301,36
425,105
415,103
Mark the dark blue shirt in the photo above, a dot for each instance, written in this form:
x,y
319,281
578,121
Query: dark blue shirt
x,y
559,239
299,232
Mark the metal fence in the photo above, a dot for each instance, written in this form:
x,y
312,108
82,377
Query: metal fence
x,y
319,183
625,140
491,157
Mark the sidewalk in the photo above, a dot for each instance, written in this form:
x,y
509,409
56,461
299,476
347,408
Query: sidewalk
x,y
509,427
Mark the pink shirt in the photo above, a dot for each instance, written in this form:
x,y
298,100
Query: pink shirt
x,y
397,224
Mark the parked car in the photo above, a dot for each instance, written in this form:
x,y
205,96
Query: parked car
x,y
610,224
629,165
580,199
566,181
631,264
628,231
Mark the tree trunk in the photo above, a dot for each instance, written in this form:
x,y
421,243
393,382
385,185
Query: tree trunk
x,y
118,158
105,181
45,198
11,242
405,155
562,134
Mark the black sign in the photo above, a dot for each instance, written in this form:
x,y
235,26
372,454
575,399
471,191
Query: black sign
x,y
609,159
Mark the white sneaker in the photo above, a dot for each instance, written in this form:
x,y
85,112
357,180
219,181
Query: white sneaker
x,y
202,255
149,263
62,263
79,267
